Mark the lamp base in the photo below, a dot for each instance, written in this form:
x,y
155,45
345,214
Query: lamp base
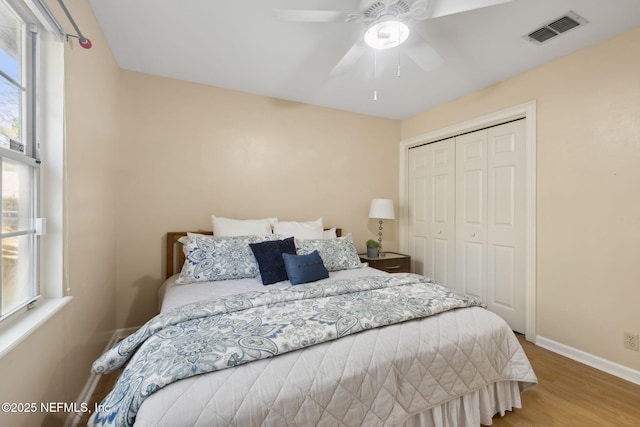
x,y
380,253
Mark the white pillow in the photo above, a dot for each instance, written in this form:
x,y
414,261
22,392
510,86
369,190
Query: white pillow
x,y
223,227
300,230
329,234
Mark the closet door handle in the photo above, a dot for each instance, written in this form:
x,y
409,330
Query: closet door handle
x,y
473,234
439,231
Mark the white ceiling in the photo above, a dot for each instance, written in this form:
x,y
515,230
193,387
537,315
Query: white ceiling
x,y
243,45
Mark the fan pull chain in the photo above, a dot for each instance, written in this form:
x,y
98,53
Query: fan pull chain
x,y
375,73
398,51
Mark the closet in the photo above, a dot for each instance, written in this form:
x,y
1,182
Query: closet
x,y
466,208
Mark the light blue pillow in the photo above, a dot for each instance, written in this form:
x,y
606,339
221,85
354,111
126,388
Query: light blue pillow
x,y
337,254
304,268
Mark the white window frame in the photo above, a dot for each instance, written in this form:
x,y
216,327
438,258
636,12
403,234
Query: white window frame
x,y
26,84
50,130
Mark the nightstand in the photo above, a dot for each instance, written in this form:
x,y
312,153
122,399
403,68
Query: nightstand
x,y
391,262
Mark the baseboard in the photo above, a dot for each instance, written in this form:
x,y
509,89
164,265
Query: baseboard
x,y
605,365
87,391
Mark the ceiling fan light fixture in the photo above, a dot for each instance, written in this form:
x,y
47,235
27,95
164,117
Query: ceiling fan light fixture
x,y
386,34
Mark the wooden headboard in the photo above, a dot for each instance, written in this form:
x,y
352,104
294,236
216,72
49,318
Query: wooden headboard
x,y
175,256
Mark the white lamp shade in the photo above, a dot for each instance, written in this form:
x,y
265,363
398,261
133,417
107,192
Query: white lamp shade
x,y
382,209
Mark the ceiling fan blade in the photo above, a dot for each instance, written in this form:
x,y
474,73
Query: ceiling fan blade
x,y
424,56
349,59
449,7
311,15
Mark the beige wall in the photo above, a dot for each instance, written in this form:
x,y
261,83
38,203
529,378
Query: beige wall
x,y
35,371
146,155
189,151
52,364
588,179
92,131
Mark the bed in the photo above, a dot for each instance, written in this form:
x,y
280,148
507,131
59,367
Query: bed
x,y
455,366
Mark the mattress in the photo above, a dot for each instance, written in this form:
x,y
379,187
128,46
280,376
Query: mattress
x,y
456,368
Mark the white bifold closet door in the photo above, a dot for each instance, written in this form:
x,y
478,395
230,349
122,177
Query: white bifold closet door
x,y
432,208
466,216
506,233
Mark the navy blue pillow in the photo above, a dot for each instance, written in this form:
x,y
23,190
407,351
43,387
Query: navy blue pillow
x,y
304,268
269,257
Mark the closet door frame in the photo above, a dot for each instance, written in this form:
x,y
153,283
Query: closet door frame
x,y
527,111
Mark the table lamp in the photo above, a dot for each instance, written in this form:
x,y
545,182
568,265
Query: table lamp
x,y
381,209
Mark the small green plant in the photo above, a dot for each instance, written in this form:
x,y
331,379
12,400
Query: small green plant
x,y
372,244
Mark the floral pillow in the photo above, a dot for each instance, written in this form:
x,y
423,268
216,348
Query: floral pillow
x,y
209,258
337,254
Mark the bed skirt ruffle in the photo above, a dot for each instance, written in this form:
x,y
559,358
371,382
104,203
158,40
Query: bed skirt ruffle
x,y
472,409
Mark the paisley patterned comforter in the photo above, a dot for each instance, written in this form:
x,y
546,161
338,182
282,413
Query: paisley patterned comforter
x,y
213,335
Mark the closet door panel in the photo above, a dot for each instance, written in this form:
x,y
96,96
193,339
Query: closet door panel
x,y
506,167
442,217
442,175
503,180
431,210
419,255
470,271
440,199
442,270
502,272
471,213
419,209
473,198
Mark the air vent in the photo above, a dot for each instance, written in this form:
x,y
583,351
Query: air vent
x,y
563,24
542,34
556,27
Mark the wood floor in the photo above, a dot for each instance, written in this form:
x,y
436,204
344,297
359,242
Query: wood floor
x,y
568,394
103,388
571,394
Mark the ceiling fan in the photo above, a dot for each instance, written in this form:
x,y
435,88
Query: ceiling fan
x,y
388,24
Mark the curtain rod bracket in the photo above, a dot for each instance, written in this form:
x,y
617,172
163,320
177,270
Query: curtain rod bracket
x,y
85,43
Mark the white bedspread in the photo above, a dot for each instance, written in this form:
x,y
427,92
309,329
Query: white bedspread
x,y
384,376
454,369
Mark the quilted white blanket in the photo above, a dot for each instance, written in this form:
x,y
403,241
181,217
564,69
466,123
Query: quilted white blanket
x,y
377,377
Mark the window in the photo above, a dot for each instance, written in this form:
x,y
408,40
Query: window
x,y
19,164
